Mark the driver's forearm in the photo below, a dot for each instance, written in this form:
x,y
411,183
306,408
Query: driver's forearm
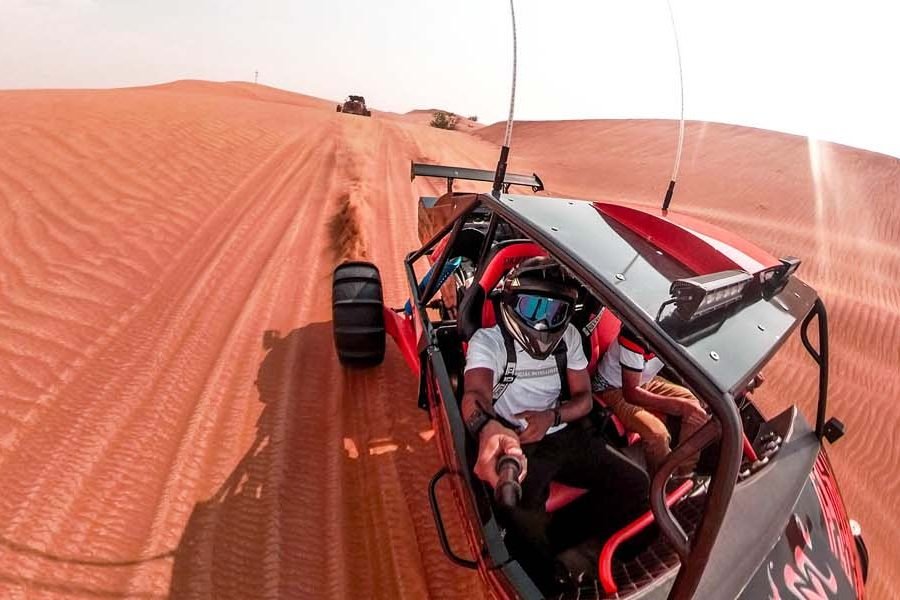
x,y
472,400
641,397
577,407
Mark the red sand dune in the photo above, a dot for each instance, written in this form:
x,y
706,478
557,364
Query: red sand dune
x,y
241,89
172,417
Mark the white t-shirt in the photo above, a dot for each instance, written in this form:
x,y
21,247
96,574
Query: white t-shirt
x,y
536,386
629,353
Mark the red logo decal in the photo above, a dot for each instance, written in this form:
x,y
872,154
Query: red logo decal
x,y
804,579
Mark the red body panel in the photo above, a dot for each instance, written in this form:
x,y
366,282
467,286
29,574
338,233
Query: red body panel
x,y
837,523
701,247
400,327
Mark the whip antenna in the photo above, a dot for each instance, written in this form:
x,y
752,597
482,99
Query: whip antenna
x,y
671,189
500,174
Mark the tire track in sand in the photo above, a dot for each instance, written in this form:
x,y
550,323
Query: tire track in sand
x,y
164,451
60,467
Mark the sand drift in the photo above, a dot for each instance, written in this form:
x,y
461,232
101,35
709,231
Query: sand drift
x,y
173,419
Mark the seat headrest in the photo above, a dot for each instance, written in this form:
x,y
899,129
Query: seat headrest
x,y
474,313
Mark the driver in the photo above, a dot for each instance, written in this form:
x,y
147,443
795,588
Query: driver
x,y
526,383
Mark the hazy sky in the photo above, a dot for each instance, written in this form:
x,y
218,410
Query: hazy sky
x,y
819,68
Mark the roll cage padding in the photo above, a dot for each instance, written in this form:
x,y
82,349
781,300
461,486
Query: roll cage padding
x,y
474,312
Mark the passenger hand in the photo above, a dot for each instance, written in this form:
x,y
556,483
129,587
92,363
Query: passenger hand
x,y
496,440
693,413
539,421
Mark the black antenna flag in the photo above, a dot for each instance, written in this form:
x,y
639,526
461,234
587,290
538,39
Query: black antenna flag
x,y
500,174
671,190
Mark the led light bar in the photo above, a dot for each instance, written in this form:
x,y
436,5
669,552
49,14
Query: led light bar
x,y
697,296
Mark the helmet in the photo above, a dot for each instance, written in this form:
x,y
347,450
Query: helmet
x,y
536,305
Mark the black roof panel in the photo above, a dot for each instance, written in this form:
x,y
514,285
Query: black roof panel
x,y
729,350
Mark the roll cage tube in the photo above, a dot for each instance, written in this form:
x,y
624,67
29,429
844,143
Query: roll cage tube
x,y
722,403
821,358
454,225
658,505
488,238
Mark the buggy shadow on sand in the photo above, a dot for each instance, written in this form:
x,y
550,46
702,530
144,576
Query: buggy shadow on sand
x,y
768,522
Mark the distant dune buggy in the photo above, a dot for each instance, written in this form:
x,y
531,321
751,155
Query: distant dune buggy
x,y
769,523
354,105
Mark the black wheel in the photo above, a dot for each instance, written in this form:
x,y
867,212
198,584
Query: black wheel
x,y
358,320
339,108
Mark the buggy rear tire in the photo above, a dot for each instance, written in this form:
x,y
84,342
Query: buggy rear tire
x,y
339,108
357,318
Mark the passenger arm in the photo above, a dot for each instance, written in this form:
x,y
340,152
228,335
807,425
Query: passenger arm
x,y
633,393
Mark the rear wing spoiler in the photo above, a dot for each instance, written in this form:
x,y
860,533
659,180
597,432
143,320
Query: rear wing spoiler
x,y
452,173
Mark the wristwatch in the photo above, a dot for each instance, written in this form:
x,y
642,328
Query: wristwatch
x,y
477,420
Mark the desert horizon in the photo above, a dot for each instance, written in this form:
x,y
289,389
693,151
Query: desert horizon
x,y
173,419
418,115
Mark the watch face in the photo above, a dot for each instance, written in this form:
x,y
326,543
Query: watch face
x,y
476,420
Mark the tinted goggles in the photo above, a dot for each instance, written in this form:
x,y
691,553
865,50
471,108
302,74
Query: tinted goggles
x,y
534,310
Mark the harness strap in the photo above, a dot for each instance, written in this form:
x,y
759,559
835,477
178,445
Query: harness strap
x,y
509,372
561,354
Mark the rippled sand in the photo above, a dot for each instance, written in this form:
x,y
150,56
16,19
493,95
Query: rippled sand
x,y
173,421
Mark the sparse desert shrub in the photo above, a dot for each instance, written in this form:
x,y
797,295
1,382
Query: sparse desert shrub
x,y
443,120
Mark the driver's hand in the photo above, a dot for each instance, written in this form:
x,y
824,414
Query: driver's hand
x,y
539,421
495,441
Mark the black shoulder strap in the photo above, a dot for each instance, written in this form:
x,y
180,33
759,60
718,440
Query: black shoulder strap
x,y
561,354
509,372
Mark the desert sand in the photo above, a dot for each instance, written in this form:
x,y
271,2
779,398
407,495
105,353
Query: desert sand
x,y
173,421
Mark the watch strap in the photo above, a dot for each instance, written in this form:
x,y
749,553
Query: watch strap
x,y
477,420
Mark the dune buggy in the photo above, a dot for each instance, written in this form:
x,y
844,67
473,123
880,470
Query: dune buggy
x,y
768,522
354,105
